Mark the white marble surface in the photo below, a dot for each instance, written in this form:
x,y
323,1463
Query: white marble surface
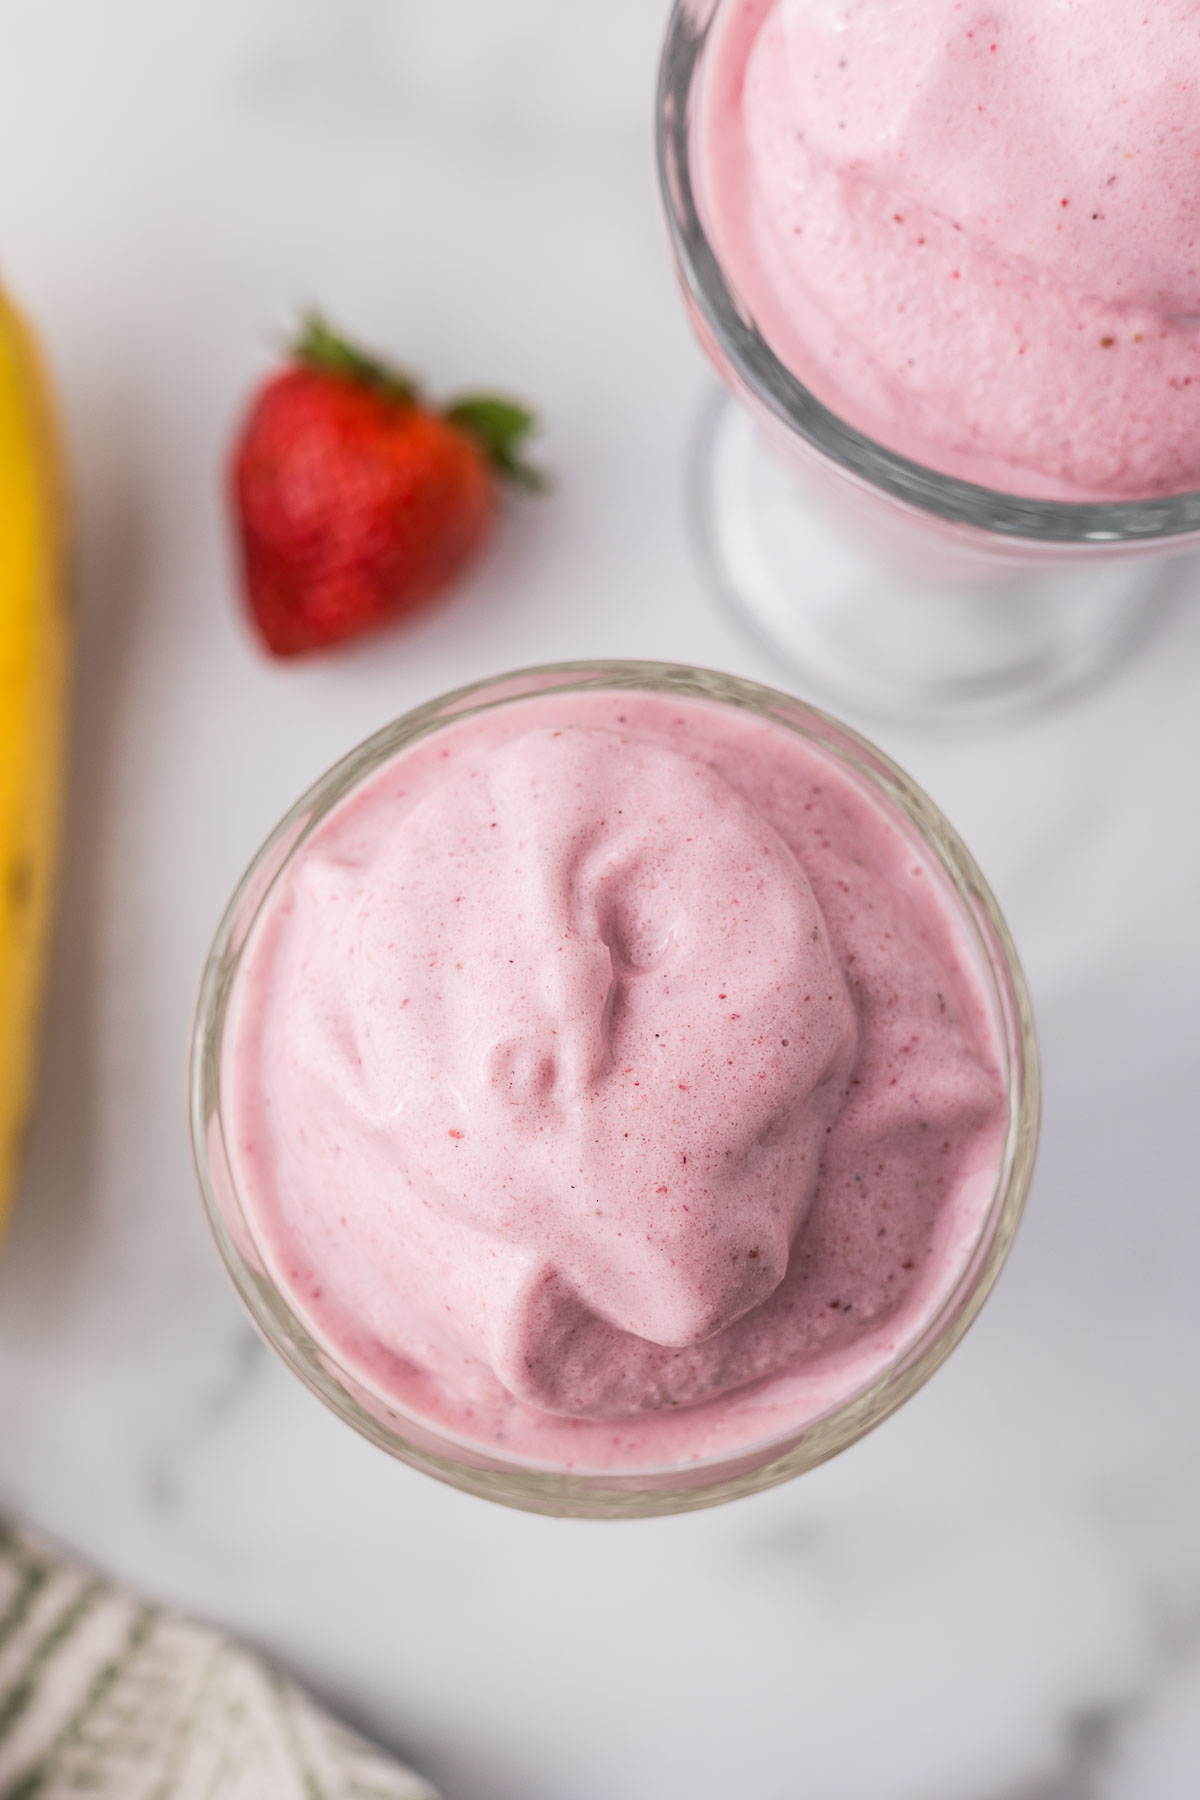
x,y
996,1597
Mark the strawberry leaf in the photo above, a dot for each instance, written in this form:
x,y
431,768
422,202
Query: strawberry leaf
x,y
501,428
319,346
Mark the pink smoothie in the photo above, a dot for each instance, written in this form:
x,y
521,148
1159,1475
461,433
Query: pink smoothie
x,y
610,1083
972,229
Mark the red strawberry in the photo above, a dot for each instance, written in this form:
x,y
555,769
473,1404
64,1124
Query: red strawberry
x,y
355,502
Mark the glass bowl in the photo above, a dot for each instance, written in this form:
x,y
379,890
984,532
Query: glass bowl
x,y
896,590
650,1491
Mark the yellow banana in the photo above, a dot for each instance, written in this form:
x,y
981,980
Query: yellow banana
x,y
34,656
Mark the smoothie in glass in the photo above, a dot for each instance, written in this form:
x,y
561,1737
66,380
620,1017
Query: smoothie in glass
x,y
971,230
613,1079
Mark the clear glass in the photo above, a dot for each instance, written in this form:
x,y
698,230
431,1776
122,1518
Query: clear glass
x,y
656,1490
894,589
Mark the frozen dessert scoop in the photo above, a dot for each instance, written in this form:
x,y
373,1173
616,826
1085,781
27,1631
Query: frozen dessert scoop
x,y
534,1032
608,1080
973,229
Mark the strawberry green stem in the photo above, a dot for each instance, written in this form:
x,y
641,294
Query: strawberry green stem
x,y
319,346
502,429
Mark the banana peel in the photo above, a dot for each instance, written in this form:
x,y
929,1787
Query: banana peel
x,y
35,642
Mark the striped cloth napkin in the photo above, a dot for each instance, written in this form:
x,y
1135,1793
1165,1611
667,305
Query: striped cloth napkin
x,y
106,1698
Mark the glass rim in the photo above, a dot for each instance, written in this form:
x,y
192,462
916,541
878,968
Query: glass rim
x,y
793,405
588,1492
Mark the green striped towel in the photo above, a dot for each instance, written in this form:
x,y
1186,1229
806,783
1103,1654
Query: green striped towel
x,y
105,1698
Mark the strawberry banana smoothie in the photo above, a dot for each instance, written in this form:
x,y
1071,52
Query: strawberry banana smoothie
x,y
611,1083
971,229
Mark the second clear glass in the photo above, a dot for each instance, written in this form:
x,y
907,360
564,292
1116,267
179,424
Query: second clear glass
x,y
881,584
